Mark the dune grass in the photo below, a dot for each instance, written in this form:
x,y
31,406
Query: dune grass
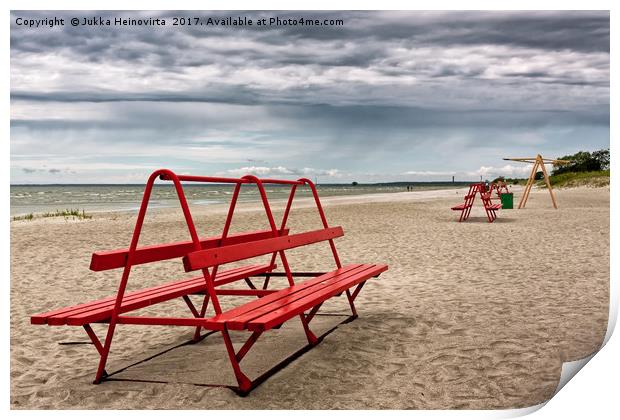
x,y
28,216
67,214
577,179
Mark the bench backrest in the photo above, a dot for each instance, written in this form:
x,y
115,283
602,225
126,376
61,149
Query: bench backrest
x,y
211,257
107,260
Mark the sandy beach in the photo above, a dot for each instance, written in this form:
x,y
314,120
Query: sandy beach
x,y
469,315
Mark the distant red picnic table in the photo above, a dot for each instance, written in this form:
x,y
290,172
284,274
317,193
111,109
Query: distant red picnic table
x,y
468,202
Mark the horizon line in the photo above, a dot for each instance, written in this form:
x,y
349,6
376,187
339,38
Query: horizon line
x,y
216,183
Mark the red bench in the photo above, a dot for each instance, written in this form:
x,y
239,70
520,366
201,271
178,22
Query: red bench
x,y
468,202
489,207
269,309
466,205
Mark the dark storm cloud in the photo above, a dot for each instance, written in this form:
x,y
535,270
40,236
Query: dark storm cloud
x,y
246,94
380,118
354,117
568,30
552,31
236,95
367,40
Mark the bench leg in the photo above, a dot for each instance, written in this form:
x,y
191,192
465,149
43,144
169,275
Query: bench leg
x,y
491,215
467,213
266,282
93,337
313,312
351,297
191,306
351,304
245,385
203,311
312,340
248,345
251,285
101,373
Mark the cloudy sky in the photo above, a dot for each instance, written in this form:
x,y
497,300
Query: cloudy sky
x,y
386,96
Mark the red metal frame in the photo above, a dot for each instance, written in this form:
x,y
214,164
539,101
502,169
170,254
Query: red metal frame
x,y
127,258
489,207
468,201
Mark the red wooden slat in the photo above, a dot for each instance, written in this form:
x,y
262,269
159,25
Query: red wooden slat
x,y
279,294
461,207
239,321
143,301
58,316
287,312
211,257
101,314
107,260
42,318
319,293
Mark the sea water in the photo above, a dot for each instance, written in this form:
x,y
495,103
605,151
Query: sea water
x,y
36,199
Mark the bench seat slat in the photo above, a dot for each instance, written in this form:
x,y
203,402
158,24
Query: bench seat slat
x,y
101,309
333,287
147,300
289,295
225,316
222,255
461,206
42,318
238,318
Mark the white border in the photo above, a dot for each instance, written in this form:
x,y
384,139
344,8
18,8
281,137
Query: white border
x,y
593,393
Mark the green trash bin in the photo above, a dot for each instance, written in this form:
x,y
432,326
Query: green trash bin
x,y
506,200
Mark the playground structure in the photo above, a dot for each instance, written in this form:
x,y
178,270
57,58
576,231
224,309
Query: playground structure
x,y
539,162
270,308
468,202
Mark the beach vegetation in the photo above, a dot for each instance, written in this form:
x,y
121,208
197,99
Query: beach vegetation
x,y
28,216
584,169
67,214
511,181
583,162
577,179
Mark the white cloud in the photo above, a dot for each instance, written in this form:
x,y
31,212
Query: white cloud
x,y
281,170
509,171
260,170
428,173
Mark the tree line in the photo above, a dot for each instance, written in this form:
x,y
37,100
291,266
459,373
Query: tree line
x,y
583,162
